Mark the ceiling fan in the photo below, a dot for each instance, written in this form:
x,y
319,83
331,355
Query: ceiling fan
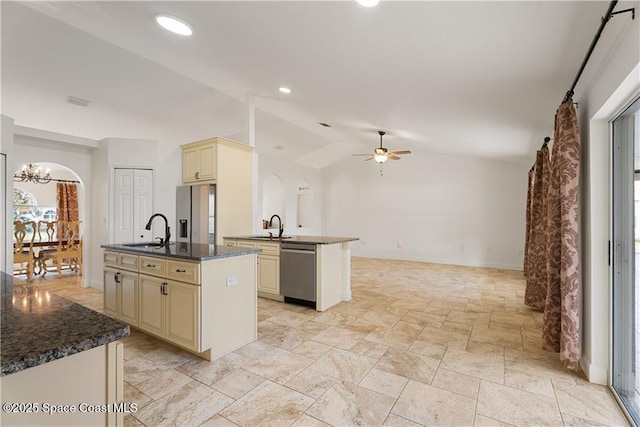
x,y
382,154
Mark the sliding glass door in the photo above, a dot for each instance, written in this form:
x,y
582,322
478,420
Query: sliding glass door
x,y
625,259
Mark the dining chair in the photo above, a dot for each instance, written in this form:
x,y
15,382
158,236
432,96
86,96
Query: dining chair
x,y
68,250
47,231
24,233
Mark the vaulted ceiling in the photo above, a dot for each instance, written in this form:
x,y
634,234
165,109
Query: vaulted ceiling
x,y
469,78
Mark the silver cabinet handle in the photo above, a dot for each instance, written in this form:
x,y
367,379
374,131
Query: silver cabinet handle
x,y
179,270
151,265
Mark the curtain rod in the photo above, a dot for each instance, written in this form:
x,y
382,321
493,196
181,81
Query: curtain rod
x,y
69,181
605,19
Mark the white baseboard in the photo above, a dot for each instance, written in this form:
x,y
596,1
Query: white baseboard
x,y
597,374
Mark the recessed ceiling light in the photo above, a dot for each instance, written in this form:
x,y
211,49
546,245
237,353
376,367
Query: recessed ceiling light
x,y
173,24
285,90
368,3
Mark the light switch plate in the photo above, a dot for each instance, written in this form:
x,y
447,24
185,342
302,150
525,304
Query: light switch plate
x,y
232,280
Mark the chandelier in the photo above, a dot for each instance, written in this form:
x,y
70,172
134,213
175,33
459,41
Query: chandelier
x,y
32,173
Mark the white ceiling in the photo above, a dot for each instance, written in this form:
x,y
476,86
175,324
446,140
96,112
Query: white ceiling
x,y
470,78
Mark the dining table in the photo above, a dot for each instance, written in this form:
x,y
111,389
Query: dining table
x,y
37,246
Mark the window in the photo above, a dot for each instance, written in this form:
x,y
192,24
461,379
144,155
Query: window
x,y
304,204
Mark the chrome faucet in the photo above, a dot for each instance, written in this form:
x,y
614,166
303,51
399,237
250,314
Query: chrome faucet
x,y
280,226
167,230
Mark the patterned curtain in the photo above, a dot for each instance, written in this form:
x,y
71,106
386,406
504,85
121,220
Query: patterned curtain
x,y
536,289
530,177
67,201
561,330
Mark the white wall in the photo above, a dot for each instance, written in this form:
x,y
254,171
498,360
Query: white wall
x,y
615,83
290,174
6,148
430,207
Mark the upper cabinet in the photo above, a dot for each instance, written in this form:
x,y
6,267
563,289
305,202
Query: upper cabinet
x,y
202,160
229,165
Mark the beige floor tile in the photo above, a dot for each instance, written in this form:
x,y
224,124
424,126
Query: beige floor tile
x,y
279,365
452,303
312,349
431,406
131,421
482,421
291,318
254,350
311,382
305,420
517,407
338,337
381,318
408,328
445,335
344,365
482,366
269,404
588,402
535,384
410,365
469,318
217,421
141,369
165,383
456,382
238,383
193,404
133,395
424,319
545,365
435,351
370,349
509,338
210,372
347,404
391,337
384,382
485,348
394,420
515,319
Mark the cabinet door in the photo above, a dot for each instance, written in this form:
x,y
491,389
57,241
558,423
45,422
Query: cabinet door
x,y
183,315
207,168
189,164
152,305
110,294
269,273
128,298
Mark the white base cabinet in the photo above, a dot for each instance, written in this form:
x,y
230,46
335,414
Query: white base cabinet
x,y
121,287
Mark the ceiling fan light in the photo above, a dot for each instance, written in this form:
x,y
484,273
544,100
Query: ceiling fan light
x,y
380,158
173,24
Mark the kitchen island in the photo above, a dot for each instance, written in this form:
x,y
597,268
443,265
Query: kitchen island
x,y
199,297
57,352
279,270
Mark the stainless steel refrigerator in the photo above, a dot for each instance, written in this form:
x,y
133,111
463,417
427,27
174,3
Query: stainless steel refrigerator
x,y
196,213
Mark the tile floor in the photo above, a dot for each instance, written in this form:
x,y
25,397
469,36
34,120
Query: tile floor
x,y
419,344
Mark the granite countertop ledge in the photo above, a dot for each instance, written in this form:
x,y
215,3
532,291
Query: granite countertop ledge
x,y
188,251
39,329
318,240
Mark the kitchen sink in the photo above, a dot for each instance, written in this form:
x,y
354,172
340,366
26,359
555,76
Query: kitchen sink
x,y
146,245
270,237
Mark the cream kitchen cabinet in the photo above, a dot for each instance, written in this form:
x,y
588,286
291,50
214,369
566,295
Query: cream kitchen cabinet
x,y
120,295
170,310
229,165
199,162
201,298
268,266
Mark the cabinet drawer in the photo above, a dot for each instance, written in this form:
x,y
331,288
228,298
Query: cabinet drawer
x,y
110,259
129,262
269,248
183,271
153,266
229,242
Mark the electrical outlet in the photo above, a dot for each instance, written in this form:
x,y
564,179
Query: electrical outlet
x,y
232,280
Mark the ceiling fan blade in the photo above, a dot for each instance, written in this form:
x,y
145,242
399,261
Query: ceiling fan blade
x,y
393,153
368,158
361,154
392,157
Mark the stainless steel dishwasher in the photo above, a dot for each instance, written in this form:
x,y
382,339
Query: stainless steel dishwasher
x,y
298,273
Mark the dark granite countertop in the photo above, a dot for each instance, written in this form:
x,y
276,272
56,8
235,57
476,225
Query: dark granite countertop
x,y
189,251
39,327
318,240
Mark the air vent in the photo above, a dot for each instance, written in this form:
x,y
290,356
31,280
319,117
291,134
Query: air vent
x,y
78,101
325,125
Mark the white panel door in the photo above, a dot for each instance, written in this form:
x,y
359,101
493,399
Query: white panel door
x,y
123,206
133,202
142,204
